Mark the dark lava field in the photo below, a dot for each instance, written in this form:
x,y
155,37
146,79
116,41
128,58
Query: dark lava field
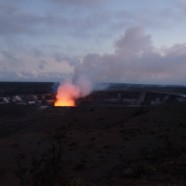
x,y
85,146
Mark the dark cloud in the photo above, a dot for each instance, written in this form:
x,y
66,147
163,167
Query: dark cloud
x,y
19,23
10,58
23,23
60,58
37,52
42,65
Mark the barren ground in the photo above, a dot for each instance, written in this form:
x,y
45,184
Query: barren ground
x,y
93,146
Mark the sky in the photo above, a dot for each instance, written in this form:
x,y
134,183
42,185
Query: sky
x,y
126,41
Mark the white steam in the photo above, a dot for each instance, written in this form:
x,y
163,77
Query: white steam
x,y
135,60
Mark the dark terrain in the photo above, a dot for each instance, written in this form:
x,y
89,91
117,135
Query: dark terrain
x,y
100,145
93,145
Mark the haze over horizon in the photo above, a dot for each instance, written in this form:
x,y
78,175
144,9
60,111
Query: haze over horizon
x,y
128,41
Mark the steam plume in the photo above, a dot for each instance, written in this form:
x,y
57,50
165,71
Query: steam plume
x,y
69,91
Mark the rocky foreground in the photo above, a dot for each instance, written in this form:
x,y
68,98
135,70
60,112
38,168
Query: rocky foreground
x,y
101,146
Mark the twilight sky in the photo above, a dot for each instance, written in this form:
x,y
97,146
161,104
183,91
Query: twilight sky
x,y
130,41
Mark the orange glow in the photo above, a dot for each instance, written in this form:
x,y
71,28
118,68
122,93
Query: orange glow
x,y
64,102
67,93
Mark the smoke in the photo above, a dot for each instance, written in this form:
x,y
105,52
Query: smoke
x,y
85,85
135,60
68,91
127,61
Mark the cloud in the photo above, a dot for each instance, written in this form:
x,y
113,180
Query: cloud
x,y
77,2
136,60
42,65
80,32
10,58
32,76
18,22
134,42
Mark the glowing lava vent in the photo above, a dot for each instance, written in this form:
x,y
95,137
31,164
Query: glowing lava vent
x,y
67,94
